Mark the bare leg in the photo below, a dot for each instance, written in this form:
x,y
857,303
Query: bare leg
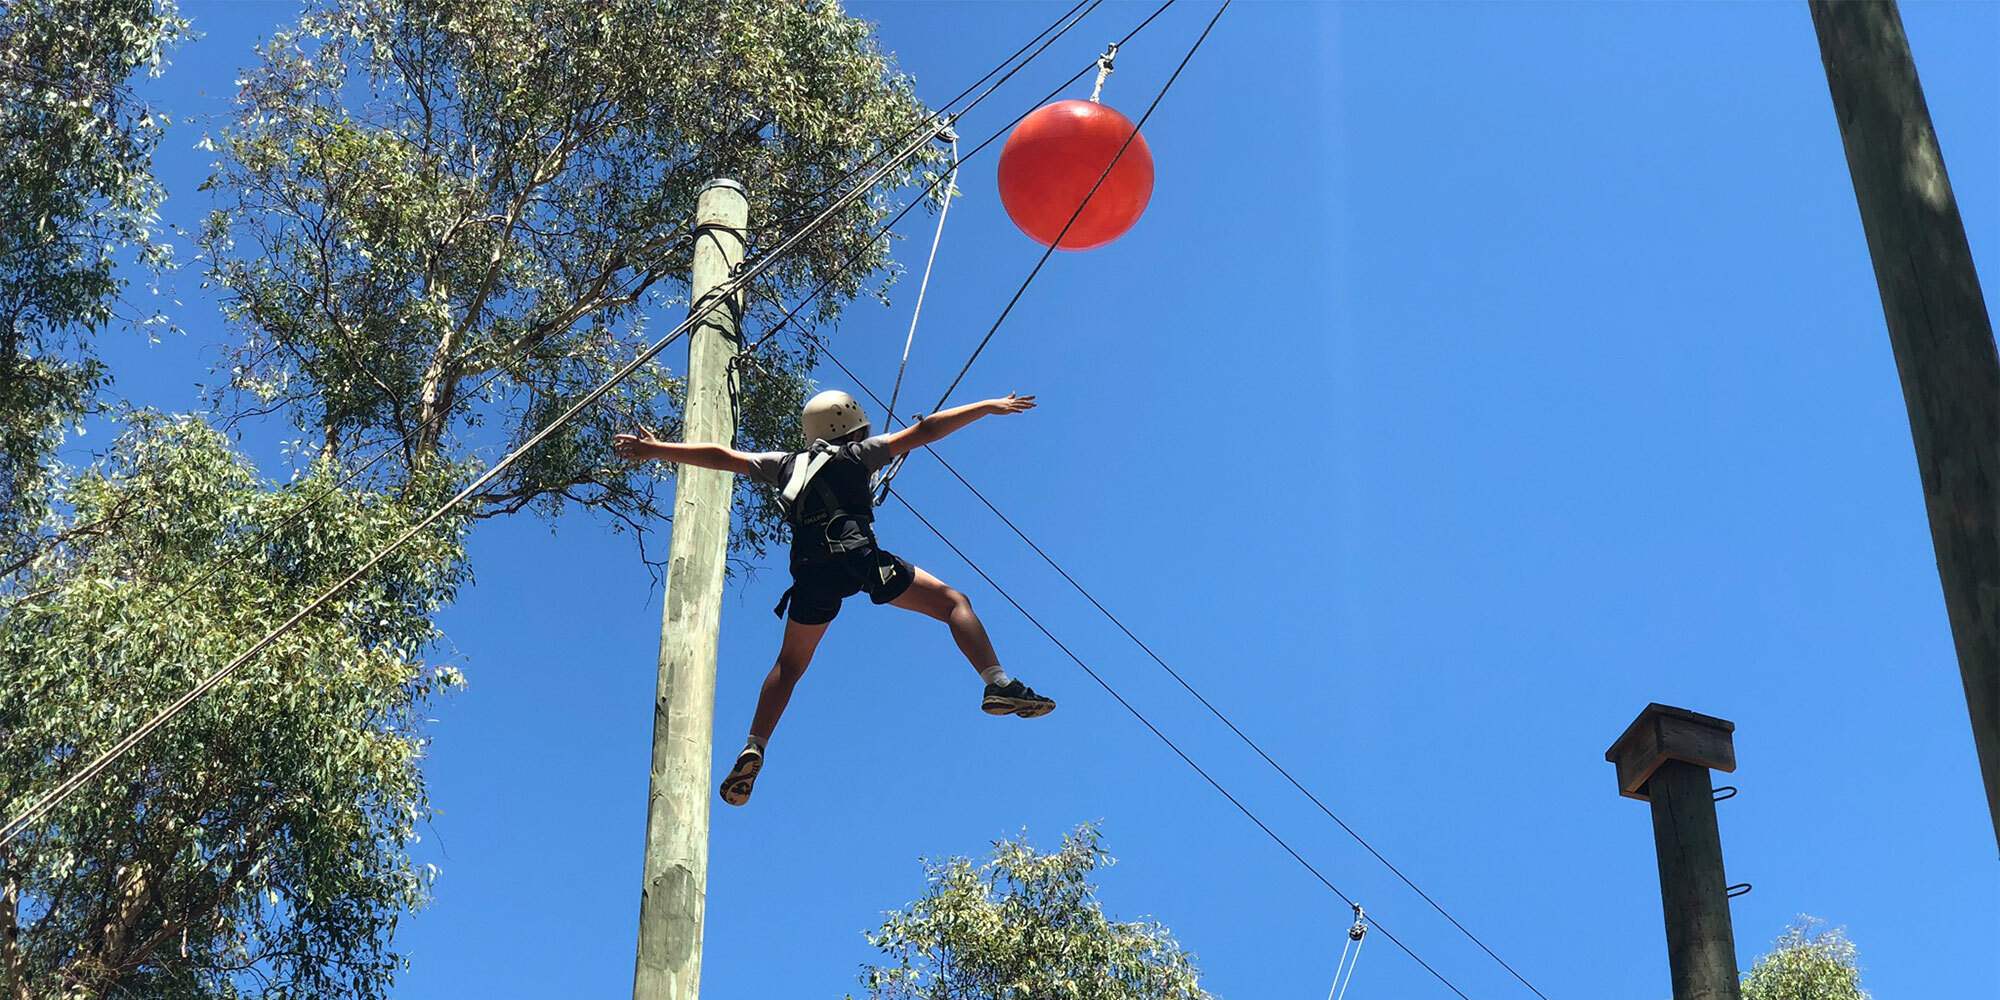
x,y
793,657
929,596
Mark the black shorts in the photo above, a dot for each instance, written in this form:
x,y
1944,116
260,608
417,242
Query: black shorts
x,y
819,587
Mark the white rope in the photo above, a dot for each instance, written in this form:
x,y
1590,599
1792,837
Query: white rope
x,y
950,189
1350,956
1338,968
1350,968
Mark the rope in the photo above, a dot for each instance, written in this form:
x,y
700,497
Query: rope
x,y
1358,942
923,286
950,188
1342,964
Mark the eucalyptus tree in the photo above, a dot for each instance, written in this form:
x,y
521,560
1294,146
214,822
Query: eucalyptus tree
x,y
1807,962
442,220
258,845
76,193
1025,923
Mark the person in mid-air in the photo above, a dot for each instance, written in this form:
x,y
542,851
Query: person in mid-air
x,y
828,502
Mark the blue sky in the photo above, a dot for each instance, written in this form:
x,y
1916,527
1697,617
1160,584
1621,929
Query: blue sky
x,y
1478,374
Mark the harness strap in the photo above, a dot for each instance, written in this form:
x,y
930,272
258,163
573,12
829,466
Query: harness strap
x,y
784,601
803,471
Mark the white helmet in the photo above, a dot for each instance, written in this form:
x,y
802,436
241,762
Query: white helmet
x,y
831,415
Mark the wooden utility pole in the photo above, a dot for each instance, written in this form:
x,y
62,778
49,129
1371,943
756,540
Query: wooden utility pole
x,y
1664,757
675,893
1938,326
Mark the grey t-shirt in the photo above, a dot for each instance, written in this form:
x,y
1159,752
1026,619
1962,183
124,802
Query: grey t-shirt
x,y
775,467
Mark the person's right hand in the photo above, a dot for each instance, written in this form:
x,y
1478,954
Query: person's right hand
x,y
1011,403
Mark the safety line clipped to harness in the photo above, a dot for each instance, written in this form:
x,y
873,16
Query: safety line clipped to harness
x,y
916,313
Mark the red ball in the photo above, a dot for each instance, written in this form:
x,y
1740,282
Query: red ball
x,y
1053,158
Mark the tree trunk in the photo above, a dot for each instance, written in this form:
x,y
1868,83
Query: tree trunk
x,y
13,974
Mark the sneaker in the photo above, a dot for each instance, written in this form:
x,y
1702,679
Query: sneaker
x,y
736,787
1015,699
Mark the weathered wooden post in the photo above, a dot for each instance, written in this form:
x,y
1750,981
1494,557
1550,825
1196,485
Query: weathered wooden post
x,y
1939,329
675,893
1664,757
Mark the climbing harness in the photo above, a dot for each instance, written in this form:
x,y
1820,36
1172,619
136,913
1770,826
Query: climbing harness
x,y
1350,956
833,529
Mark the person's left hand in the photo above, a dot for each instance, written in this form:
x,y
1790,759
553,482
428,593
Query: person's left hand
x,y
633,447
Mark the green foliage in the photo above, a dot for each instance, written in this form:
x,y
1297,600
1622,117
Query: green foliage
x,y
420,195
1025,926
76,192
1807,962
257,844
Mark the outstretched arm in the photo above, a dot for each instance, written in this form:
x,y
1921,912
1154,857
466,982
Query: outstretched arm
x,y
943,422
632,447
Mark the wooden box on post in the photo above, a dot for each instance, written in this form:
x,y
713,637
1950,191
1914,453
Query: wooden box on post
x,y
1664,759
1662,733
